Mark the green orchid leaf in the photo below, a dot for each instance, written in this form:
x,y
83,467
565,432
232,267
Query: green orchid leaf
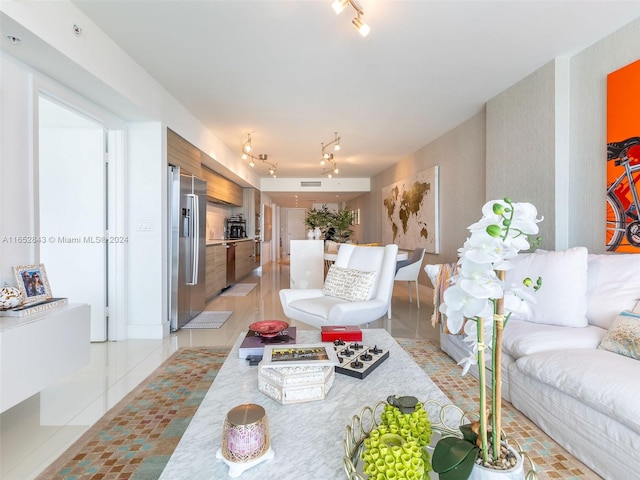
x,y
468,434
462,471
450,452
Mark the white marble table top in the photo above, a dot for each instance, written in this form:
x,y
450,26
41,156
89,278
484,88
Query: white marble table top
x,y
307,438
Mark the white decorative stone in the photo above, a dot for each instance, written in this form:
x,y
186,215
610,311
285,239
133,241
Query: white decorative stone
x,y
10,297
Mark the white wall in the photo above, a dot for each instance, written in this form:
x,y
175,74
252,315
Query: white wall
x,y
17,183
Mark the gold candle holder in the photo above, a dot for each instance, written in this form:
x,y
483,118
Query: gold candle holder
x,y
245,438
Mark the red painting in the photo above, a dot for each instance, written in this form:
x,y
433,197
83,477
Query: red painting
x,y
623,159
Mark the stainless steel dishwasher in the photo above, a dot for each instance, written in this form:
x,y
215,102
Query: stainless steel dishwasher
x,y
231,263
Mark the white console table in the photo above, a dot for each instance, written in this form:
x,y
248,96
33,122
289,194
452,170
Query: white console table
x,y
39,349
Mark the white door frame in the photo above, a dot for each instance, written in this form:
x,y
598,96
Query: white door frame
x,y
116,196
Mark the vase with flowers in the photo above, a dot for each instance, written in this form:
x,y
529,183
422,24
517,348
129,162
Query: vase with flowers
x,y
479,304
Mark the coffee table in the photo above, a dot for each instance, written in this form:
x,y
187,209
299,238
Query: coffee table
x,y
307,438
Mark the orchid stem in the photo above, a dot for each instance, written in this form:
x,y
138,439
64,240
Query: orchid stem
x,y
496,377
483,390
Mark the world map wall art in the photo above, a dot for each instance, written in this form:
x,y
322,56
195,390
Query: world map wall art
x,y
410,212
623,159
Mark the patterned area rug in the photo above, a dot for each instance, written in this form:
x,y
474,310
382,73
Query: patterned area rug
x,y
208,319
239,290
551,460
135,439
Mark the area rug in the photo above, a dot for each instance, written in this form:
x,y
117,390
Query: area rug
x,y
239,290
208,319
135,439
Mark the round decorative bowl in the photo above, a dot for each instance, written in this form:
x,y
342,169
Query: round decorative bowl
x,y
10,297
269,328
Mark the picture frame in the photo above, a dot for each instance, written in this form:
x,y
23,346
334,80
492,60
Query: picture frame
x,y
36,287
297,355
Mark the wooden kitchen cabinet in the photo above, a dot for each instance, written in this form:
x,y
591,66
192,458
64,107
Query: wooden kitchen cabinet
x,y
244,258
216,270
221,189
183,154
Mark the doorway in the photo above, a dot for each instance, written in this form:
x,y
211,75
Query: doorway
x,y
295,226
72,208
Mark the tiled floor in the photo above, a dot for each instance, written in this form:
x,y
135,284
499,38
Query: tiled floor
x,y
36,431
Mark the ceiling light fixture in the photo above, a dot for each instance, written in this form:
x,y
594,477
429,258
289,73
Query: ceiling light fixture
x,y
362,28
263,157
327,158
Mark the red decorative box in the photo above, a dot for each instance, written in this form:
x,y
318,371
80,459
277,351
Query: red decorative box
x,y
347,333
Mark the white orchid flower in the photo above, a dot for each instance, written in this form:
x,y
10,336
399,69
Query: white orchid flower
x,y
483,248
479,279
459,305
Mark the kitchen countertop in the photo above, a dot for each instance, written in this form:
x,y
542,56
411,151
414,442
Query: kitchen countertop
x,y
224,241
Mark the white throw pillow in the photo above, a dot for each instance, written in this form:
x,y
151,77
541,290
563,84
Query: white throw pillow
x,y
562,300
349,284
613,285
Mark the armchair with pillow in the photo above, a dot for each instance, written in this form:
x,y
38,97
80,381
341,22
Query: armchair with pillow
x,y
357,289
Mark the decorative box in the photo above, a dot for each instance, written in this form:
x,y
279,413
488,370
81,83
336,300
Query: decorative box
x,y
295,384
346,333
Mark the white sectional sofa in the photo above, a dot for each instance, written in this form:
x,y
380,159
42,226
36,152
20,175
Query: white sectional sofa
x,y
585,397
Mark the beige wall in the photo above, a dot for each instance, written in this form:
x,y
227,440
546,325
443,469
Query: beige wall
x,y
460,156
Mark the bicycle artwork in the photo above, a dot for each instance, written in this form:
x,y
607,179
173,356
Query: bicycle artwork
x,y
623,203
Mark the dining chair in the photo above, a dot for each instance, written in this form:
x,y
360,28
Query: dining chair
x,y
408,271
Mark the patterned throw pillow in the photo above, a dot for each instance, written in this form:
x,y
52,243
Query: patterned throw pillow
x,y
623,336
349,284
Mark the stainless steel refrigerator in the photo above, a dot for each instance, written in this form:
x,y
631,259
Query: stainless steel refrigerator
x,y
187,244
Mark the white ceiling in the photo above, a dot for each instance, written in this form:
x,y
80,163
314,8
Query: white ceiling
x,y
292,73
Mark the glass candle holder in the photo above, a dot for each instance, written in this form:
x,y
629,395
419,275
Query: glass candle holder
x,y
245,435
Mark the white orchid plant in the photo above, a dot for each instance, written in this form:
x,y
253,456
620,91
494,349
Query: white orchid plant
x,y
479,303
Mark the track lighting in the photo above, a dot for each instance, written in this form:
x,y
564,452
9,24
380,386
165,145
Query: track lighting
x,y
247,147
362,28
358,23
327,157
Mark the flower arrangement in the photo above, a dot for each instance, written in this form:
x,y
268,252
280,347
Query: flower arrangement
x,y
476,302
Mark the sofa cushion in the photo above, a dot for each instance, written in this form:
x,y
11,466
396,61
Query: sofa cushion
x,y
350,284
521,338
623,337
606,382
562,300
613,285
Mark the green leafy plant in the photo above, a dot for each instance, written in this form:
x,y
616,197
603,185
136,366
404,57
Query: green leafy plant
x,y
334,226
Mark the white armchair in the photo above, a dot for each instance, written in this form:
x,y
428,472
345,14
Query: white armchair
x,y
313,307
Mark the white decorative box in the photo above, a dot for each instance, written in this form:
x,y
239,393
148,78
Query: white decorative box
x,y
295,384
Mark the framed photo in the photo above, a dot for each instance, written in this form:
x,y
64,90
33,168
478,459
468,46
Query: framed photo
x,y
32,282
317,354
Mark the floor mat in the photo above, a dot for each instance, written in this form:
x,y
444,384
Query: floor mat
x,y
208,319
239,290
